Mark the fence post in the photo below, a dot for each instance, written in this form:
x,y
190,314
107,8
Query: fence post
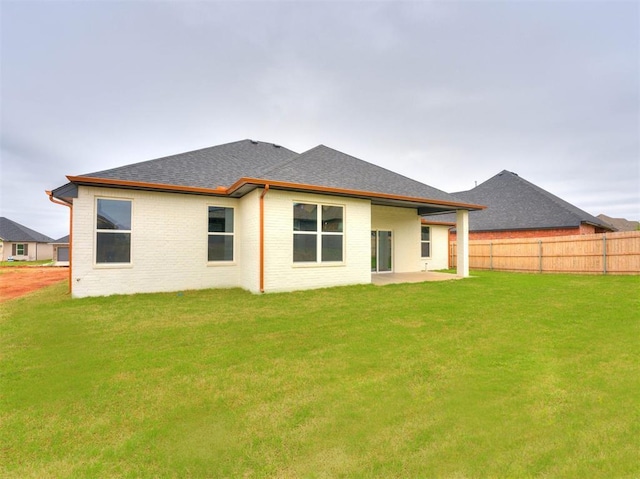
x,y
540,255
604,253
452,247
491,255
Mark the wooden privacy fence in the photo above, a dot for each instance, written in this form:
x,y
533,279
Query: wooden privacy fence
x,y
609,253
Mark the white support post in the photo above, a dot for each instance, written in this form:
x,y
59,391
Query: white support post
x,y
462,227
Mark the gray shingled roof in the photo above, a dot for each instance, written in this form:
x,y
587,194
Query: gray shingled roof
x,y
12,231
514,203
63,240
331,168
223,165
220,165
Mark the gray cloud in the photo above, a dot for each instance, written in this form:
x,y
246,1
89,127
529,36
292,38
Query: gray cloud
x,y
446,93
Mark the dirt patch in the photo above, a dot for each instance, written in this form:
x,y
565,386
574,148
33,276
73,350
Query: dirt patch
x,y
16,281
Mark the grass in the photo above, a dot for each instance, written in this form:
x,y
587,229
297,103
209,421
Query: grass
x,y
501,375
4,264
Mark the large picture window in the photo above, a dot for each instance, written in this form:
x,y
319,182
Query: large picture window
x,y
113,231
220,239
317,233
425,242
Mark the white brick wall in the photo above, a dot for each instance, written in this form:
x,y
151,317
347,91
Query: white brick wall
x,y
248,241
404,223
168,245
439,248
281,274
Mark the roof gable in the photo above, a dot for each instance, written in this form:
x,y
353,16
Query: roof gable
x,y
12,231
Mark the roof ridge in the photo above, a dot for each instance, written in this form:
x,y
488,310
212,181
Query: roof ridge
x,y
297,157
287,161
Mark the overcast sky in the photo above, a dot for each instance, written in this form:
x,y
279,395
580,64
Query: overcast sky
x,y
447,93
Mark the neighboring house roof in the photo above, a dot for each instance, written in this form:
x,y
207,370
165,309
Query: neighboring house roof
x,y
514,203
621,224
63,240
13,232
234,169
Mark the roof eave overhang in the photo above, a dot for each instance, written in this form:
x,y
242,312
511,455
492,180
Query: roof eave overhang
x,y
140,185
65,193
245,185
424,205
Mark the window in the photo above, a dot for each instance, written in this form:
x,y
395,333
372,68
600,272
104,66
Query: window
x,y
113,231
220,240
317,233
20,249
425,242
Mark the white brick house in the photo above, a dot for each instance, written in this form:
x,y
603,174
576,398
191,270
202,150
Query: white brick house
x,y
252,215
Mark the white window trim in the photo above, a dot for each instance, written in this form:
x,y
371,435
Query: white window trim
x,y
216,262
96,231
319,233
429,242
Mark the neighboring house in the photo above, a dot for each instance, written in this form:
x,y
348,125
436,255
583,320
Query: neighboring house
x,y
517,208
620,224
247,214
61,251
19,243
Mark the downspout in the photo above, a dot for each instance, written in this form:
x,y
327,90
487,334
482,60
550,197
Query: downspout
x,y
70,206
264,192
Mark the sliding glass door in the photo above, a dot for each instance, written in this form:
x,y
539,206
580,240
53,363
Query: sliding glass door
x,y
381,251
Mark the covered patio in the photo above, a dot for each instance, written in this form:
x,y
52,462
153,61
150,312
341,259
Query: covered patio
x,y
381,279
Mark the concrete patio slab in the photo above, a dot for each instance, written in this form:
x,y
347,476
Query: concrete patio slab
x,y
381,279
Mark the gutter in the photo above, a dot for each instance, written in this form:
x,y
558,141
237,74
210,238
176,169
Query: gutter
x,y
70,206
348,192
141,185
258,182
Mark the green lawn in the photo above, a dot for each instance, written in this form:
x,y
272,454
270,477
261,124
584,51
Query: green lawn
x,y
500,375
25,263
